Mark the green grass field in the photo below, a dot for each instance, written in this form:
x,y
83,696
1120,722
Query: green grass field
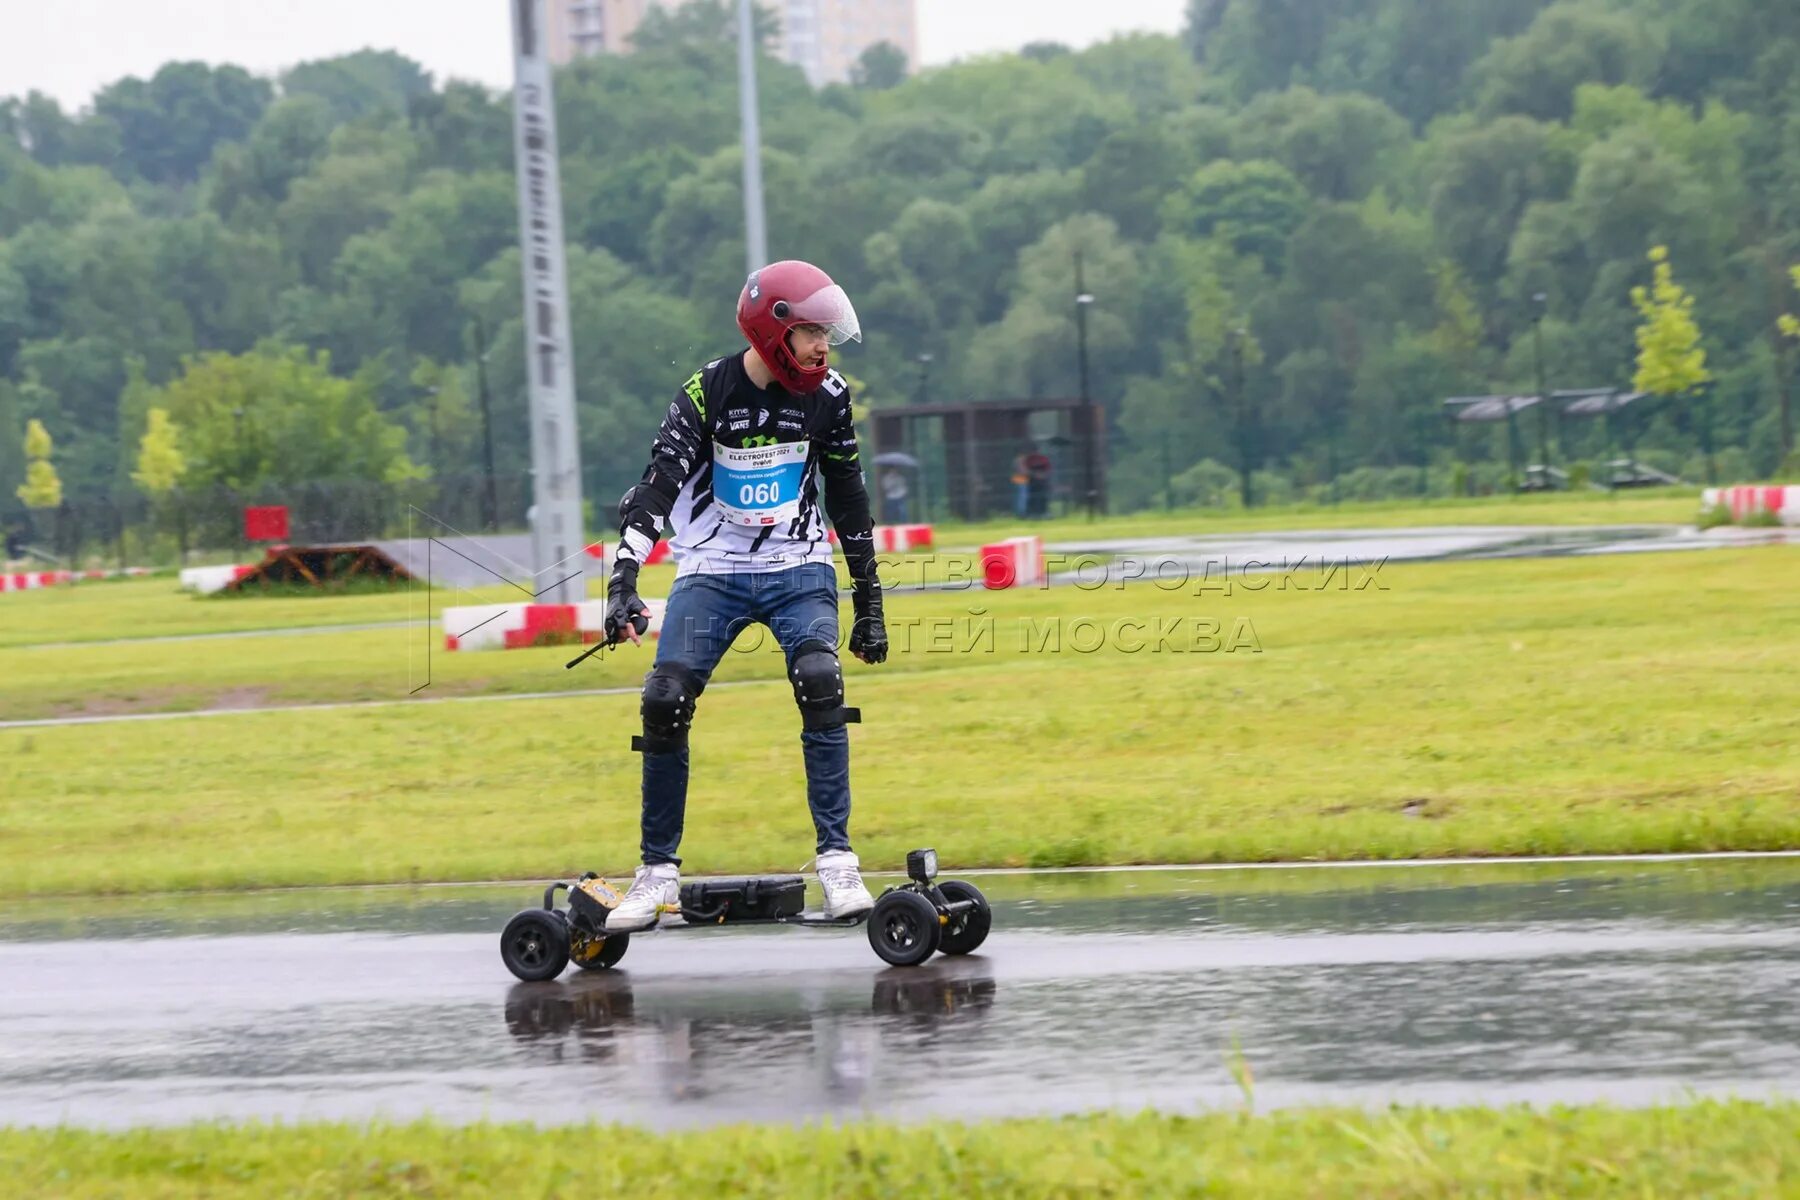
x,y
1607,704
156,607
1707,1149
1651,506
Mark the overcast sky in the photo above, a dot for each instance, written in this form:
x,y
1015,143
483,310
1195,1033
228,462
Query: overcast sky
x,y
69,48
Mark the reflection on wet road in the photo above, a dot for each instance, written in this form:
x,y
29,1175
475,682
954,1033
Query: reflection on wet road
x,y
1575,982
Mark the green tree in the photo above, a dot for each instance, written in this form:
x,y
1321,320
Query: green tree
x,y
277,415
700,24
443,420
1536,74
1130,173
879,67
1671,361
1481,179
354,189
1254,207
169,124
356,85
1790,324
42,488
1340,147
160,464
1033,351
247,180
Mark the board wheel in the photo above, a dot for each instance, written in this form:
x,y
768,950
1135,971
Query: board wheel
x,y
904,928
535,945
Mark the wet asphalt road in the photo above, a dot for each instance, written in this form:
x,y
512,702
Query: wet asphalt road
x,y
1625,982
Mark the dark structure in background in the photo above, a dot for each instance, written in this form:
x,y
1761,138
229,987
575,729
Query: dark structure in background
x,y
982,440
1613,406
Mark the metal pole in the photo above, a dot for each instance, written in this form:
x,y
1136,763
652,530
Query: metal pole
x,y
1241,418
490,515
1537,325
756,229
557,534
1512,444
1082,300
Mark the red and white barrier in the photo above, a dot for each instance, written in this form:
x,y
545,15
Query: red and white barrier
x,y
521,626
22,581
1015,562
207,580
899,539
1781,499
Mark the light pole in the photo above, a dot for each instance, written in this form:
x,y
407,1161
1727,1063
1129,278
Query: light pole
x,y
914,441
1083,301
1541,301
237,425
756,230
237,422
490,502
1240,417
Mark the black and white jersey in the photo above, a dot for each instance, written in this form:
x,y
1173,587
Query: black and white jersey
x,y
746,477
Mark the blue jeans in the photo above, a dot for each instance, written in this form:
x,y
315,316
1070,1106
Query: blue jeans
x,y
704,615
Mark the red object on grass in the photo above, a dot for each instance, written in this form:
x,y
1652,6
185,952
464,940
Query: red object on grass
x,y
266,523
542,621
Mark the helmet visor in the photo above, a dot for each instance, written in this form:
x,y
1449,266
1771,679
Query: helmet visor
x,y
830,308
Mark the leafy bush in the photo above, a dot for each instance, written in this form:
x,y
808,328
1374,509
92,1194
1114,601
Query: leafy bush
x,y
1714,517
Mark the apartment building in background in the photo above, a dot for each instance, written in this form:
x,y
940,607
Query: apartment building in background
x,y
824,38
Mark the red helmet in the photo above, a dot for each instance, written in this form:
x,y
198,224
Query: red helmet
x,y
783,295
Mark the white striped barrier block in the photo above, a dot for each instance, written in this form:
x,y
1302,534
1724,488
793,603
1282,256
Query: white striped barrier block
x,y
1014,562
24,581
900,539
207,580
522,626
1783,500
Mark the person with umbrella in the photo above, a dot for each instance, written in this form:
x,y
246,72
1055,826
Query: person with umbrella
x,y
893,486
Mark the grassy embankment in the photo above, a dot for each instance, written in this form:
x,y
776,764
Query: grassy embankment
x,y
1630,703
1699,1150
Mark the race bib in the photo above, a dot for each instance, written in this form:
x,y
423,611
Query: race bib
x,y
759,485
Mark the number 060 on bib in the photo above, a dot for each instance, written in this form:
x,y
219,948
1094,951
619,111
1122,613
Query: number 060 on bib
x,y
759,485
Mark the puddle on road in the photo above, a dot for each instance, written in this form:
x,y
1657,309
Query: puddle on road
x,y
1624,981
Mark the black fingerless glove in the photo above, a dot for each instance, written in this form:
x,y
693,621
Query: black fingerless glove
x,y
623,605
868,636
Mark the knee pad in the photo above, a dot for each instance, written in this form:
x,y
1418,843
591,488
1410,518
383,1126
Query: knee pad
x,y
667,707
818,682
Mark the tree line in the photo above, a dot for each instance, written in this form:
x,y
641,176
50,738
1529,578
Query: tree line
x,y
1303,223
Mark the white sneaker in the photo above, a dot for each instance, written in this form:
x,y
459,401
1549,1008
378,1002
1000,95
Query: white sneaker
x,y
651,888
841,876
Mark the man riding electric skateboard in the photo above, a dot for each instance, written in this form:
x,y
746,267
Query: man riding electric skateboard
x,y
735,470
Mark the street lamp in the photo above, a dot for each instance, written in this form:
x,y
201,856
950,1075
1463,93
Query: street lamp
x,y
1541,301
925,360
1247,442
1083,301
237,422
